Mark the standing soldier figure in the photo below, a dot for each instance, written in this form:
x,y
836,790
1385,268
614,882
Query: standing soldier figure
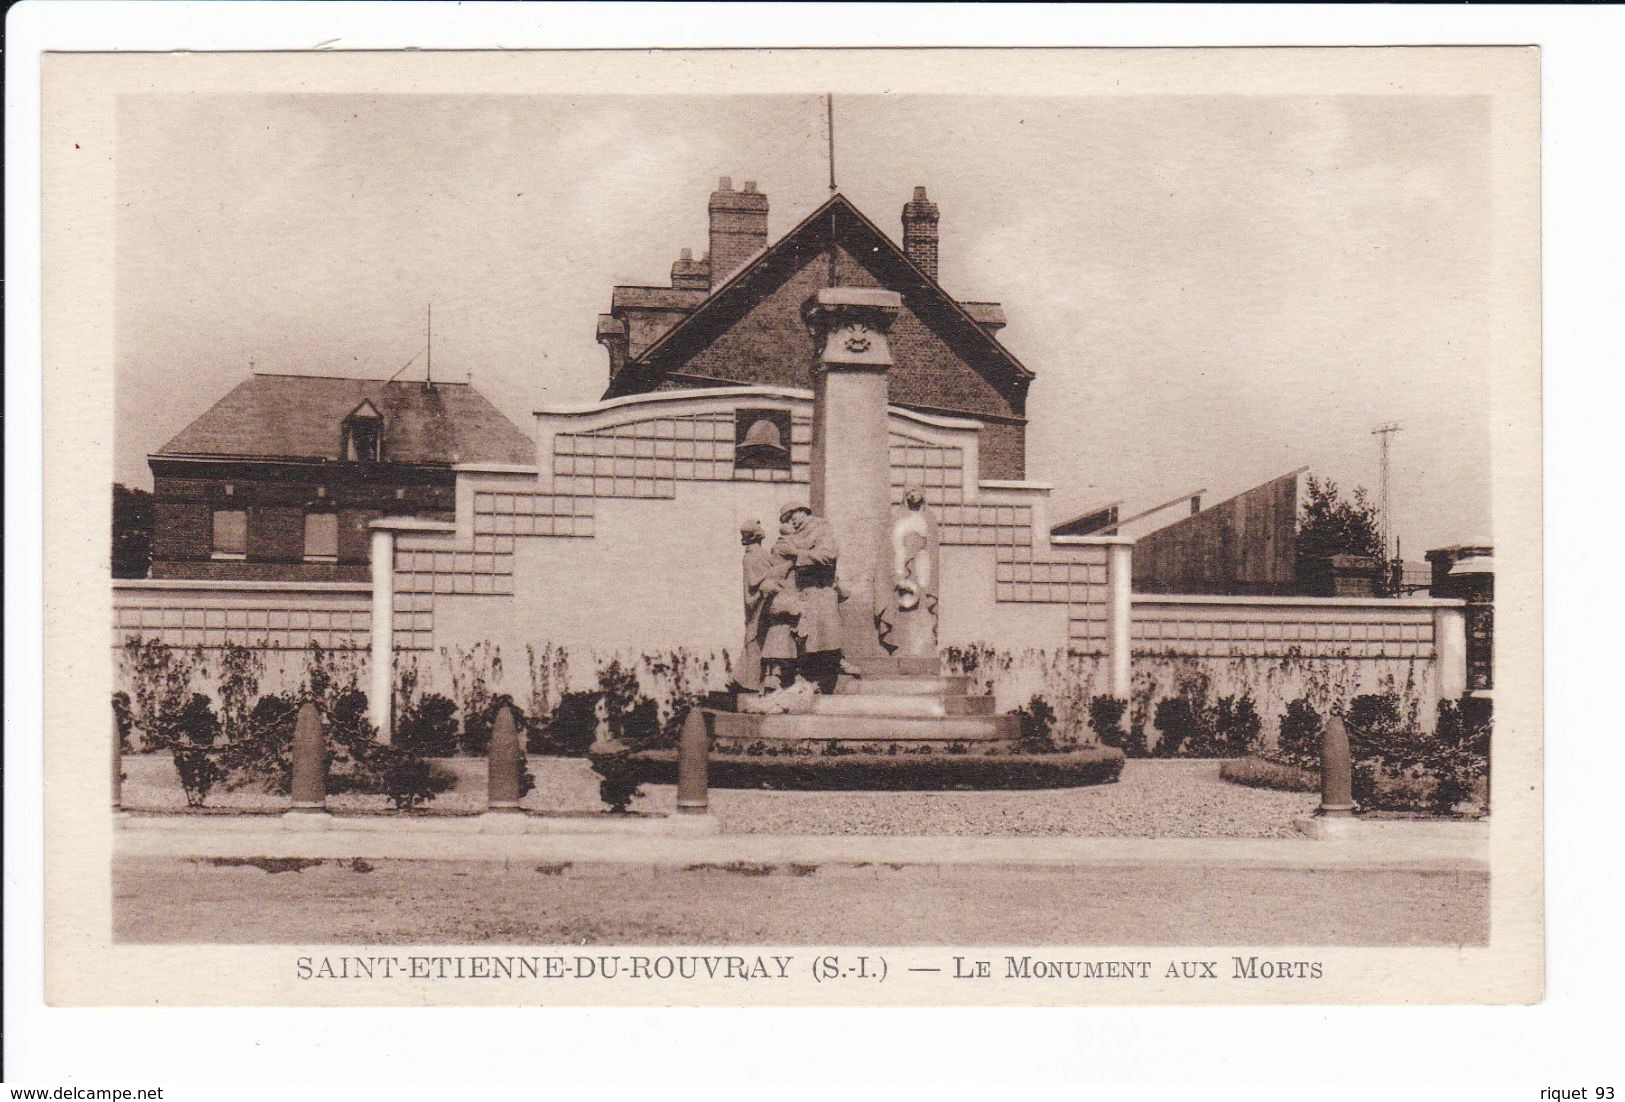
x,y
811,541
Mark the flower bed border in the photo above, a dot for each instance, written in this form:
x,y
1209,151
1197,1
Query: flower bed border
x,y
903,772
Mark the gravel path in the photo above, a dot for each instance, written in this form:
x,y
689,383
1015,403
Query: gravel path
x,y
1153,799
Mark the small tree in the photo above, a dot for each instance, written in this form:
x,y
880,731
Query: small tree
x,y
1330,525
132,531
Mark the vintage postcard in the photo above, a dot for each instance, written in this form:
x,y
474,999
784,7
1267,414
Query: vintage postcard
x,y
793,527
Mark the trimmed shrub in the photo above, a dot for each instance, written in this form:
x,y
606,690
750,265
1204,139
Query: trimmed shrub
x,y
123,720
893,772
1176,724
1397,768
428,726
1235,727
1461,759
1298,743
1106,721
262,753
477,726
620,780
1191,727
570,731
410,780
1258,772
1037,726
198,728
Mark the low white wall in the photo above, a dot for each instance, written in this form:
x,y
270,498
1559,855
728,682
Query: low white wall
x,y
622,544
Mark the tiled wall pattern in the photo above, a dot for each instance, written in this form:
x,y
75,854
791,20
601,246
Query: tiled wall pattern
x,y
646,459
1072,576
1236,631
486,566
177,623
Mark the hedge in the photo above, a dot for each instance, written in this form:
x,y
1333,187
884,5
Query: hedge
x,y
1070,769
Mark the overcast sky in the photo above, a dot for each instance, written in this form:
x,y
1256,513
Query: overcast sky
x,y
1212,290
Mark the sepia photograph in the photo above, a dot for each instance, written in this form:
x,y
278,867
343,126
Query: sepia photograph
x,y
724,531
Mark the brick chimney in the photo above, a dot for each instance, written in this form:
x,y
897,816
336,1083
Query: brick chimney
x,y
920,232
688,274
738,227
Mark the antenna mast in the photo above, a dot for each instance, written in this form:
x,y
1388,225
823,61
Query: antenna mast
x,y
829,120
428,377
1384,432
829,128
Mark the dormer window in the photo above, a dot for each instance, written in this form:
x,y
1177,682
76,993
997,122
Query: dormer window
x,y
364,434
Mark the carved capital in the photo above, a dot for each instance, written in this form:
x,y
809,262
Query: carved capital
x,y
849,326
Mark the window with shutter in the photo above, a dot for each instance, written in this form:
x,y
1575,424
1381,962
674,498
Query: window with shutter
x,y
230,534
321,537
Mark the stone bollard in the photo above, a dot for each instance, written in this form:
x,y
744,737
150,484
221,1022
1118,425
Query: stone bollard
x,y
693,752
1336,771
503,764
309,762
118,768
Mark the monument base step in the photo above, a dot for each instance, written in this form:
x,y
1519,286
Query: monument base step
x,y
901,704
920,685
812,727
895,665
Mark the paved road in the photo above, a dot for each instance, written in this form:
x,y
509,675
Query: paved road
x,y
168,899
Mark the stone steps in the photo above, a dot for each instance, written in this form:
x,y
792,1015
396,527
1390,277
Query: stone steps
x,y
815,727
883,685
902,704
892,665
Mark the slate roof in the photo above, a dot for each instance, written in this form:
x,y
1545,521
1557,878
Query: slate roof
x,y
302,416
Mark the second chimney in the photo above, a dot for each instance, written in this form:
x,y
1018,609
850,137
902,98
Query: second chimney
x,y
920,232
738,227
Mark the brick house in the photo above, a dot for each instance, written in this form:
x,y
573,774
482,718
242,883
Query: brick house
x,y
733,317
280,479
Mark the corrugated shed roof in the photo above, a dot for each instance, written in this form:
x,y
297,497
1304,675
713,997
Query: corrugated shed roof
x,y
302,416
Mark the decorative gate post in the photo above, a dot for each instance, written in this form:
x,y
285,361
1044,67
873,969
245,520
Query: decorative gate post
x,y
1450,651
1120,618
381,697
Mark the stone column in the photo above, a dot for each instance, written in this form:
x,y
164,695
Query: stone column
x,y
381,694
851,455
1450,652
1120,618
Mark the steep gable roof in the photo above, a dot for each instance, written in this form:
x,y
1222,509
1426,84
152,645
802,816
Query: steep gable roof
x,y
965,325
301,417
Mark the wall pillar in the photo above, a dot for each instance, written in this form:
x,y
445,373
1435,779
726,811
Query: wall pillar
x,y
851,453
1450,652
1120,619
381,694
